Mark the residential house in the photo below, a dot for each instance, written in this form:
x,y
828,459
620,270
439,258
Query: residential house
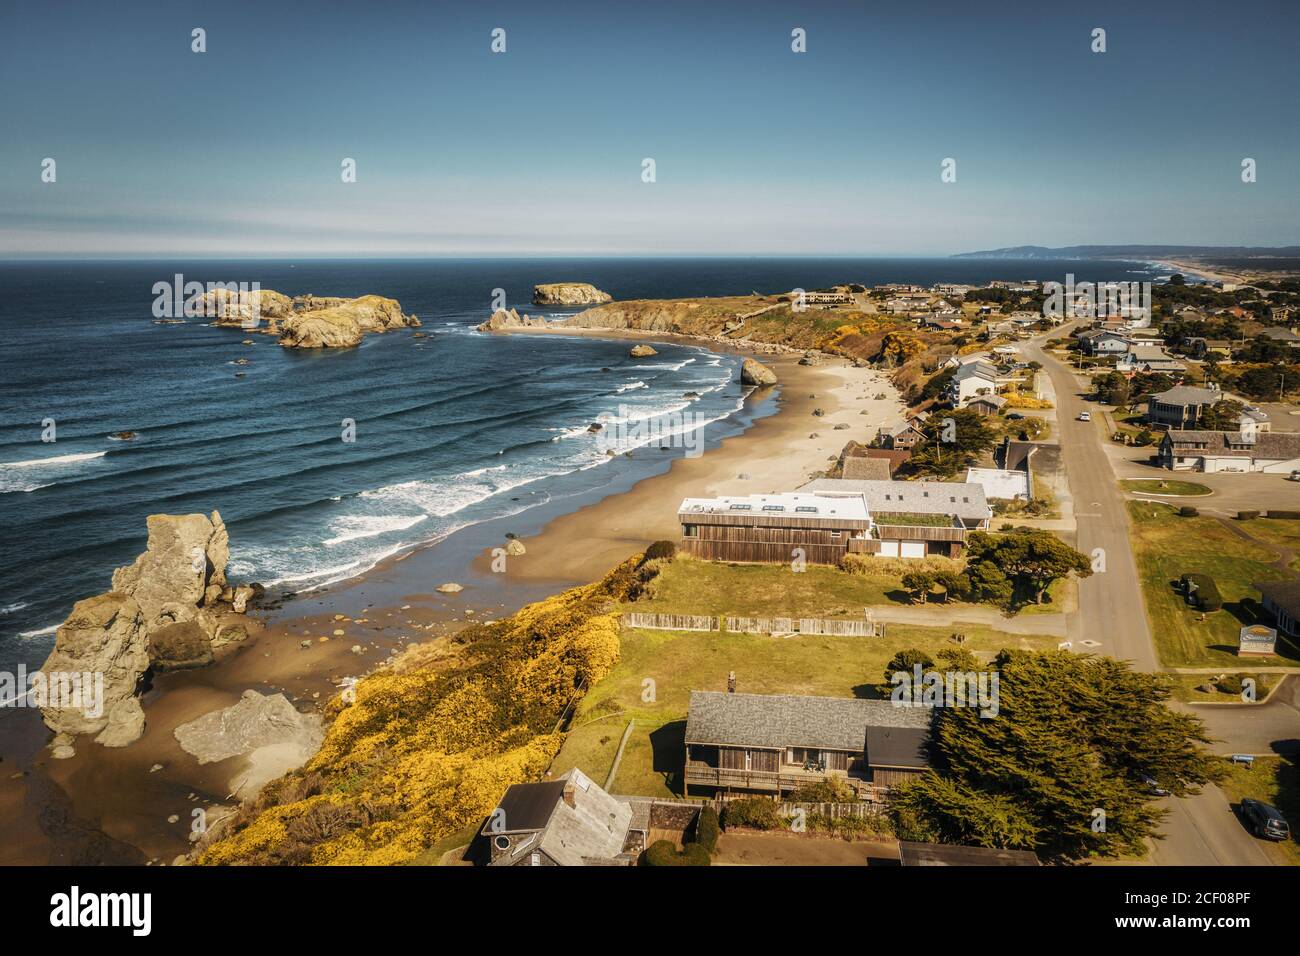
x,y
1102,342
1281,599
1270,452
1181,406
830,517
858,467
778,743
1149,358
906,436
1285,336
569,821
971,379
987,405
1199,347
1000,484
912,519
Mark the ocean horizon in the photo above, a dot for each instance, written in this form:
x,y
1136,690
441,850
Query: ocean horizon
x,y
452,427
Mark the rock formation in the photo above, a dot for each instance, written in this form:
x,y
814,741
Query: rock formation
x,y
305,321
503,319
267,729
641,351
756,373
569,293
167,610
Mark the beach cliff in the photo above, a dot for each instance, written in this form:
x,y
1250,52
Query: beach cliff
x,y
568,294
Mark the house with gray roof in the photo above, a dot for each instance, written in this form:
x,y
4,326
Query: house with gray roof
x,y
1281,599
1181,406
1248,450
779,742
569,821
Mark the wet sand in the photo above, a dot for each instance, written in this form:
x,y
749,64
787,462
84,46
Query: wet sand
x,y
109,805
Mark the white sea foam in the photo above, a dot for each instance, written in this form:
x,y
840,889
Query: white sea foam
x,y
53,461
42,632
354,527
11,608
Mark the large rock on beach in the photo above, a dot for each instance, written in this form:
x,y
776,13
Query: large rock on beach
x,y
165,611
756,373
569,293
641,351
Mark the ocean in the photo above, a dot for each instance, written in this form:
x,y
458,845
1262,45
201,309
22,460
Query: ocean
x,y
451,428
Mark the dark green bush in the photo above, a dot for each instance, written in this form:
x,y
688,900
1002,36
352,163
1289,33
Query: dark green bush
x,y
660,550
757,814
1187,511
1202,592
706,829
1290,515
664,853
1247,515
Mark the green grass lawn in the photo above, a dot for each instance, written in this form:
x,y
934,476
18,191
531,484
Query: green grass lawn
x,y
711,587
1277,532
677,662
1185,687
1170,486
1166,547
1276,781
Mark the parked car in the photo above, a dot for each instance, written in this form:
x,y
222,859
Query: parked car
x,y
1155,788
1085,416
1264,821
1295,475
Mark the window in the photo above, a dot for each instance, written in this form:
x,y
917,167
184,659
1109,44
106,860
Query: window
x,y
835,534
773,507
806,509
741,507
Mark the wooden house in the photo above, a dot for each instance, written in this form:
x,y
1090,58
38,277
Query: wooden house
x,y
778,743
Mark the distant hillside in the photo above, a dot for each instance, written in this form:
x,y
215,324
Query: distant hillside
x,y
1134,252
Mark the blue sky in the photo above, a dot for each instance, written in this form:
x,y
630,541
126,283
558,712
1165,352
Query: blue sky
x,y
758,150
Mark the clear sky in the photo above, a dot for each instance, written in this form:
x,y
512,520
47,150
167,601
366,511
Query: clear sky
x,y
538,150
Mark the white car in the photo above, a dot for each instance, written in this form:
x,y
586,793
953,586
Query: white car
x,y
1085,416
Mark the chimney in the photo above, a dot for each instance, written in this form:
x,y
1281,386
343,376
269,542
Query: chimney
x,y
731,682
570,792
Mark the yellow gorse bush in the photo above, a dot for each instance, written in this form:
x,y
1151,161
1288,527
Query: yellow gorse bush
x,y
424,753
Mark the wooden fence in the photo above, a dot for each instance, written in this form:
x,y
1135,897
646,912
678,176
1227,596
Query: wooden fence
x,y
852,627
672,622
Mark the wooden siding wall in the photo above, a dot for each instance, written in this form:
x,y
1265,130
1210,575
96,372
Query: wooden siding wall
x,y
733,758
891,777
772,545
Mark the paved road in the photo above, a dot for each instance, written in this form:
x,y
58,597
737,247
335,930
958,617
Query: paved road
x,y
1200,830
1111,610
1268,728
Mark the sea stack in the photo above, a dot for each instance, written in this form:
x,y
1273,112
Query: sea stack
x,y
641,351
569,293
167,611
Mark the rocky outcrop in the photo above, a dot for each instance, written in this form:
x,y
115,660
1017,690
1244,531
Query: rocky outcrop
x,y
267,729
569,293
167,610
511,319
756,373
305,321
641,351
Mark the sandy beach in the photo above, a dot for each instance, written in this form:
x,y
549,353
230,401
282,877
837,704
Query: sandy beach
x,y
118,806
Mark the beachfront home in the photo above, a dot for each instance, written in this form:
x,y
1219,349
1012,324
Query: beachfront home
x,y
778,743
912,519
569,821
906,436
831,517
866,469
1251,450
987,405
971,379
1181,406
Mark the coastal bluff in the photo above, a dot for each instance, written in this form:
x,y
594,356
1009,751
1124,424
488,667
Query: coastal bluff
x,y
569,294
304,321
168,610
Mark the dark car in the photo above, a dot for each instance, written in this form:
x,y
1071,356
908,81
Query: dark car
x,y
1264,821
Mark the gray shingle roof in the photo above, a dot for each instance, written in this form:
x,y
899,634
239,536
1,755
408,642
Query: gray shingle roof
x,y
866,469
594,828
782,720
1281,446
1188,395
910,497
